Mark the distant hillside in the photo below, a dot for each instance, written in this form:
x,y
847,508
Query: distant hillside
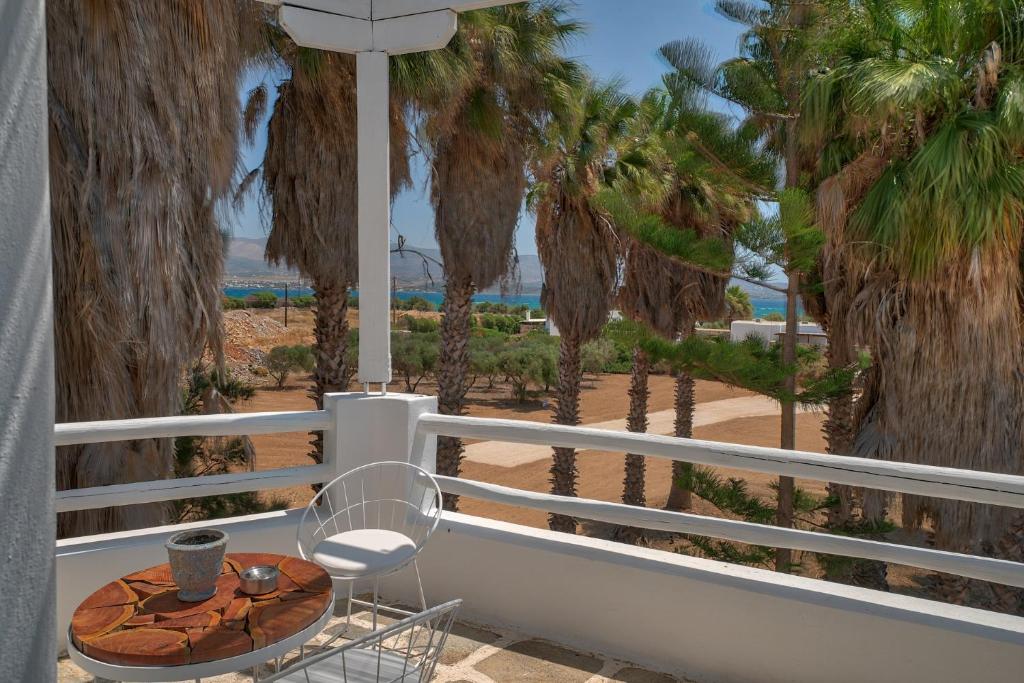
x,y
415,268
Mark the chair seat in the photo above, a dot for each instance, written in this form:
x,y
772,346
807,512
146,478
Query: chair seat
x,y
360,666
363,552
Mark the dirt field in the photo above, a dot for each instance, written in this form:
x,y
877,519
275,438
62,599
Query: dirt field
x,y
603,398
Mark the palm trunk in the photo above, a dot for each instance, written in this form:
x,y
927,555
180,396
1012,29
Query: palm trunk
x,y
633,483
680,496
453,367
567,412
784,512
839,432
330,329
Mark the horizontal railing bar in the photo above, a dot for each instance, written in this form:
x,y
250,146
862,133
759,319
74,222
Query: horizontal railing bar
x,y
983,568
70,433
925,480
189,487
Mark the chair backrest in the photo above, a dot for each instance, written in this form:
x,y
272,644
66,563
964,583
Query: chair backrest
x,y
405,652
395,496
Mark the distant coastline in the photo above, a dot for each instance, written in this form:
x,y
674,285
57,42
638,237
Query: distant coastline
x,y
762,307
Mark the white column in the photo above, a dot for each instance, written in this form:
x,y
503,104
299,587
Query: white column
x,y
374,218
378,428
28,651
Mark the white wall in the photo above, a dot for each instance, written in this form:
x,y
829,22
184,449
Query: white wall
x,y
26,350
766,330
709,621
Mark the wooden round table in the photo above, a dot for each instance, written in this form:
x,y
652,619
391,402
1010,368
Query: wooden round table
x,y
136,629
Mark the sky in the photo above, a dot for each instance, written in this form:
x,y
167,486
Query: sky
x,y
621,41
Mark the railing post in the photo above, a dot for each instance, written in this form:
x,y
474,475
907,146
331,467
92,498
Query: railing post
x,y
376,428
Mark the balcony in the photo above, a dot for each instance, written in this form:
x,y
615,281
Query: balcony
x,y
541,605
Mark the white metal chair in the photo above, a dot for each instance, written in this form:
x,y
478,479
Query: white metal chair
x,y
371,522
405,652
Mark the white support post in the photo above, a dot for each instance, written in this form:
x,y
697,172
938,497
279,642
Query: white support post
x,y
373,113
378,428
27,533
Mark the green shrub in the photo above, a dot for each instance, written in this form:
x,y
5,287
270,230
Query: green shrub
x,y
532,360
353,301
507,324
422,325
774,317
263,299
284,360
598,355
232,303
484,347
302,301
414,356
413,303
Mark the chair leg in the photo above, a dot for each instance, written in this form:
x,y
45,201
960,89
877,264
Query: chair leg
x,y
419,582
376,592
348,615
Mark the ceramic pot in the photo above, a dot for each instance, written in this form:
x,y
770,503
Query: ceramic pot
x,y
196,558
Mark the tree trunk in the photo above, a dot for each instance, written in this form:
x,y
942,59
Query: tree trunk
x,y
636,467
567,412
453,367
784,512
946,390
839,431
330,329
679,496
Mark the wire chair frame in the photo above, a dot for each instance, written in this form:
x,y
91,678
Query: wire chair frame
x,y
390,495
405,652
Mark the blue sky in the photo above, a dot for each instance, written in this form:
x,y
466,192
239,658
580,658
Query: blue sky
x,y
621,41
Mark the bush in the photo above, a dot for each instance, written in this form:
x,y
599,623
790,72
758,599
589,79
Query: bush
x,y
531,360
414,356
622,362
484,347
283,360
264,299
422,325
413,303
599,355
353,302
507,324
208,391
232,303
302,301
774,317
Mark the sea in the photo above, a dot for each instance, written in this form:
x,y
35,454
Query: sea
x,y
762,307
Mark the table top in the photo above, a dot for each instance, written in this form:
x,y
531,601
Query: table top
x,y
138,621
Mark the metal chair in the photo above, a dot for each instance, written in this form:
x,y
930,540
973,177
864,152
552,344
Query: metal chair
x,y
405,652
371,522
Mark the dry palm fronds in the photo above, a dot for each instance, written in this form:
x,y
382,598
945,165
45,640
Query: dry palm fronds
x,y
144,128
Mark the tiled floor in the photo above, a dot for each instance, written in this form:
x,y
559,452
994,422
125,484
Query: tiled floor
x,y
473,654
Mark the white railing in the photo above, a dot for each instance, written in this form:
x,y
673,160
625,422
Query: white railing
x,y
965,485
980,487
191,487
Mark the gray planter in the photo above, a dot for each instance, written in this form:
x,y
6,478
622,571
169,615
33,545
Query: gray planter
x,y
196,558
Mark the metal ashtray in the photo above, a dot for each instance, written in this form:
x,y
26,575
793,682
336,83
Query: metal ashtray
x,y
259,579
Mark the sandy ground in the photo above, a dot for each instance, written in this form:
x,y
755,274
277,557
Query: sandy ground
x,y
604,399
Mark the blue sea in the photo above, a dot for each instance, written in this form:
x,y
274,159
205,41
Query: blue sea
x,y
762,307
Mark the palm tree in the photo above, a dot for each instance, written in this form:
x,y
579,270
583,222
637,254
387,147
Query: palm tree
x,y
479,132
144,128
309,180
737,305
578,248
921,129
777,51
